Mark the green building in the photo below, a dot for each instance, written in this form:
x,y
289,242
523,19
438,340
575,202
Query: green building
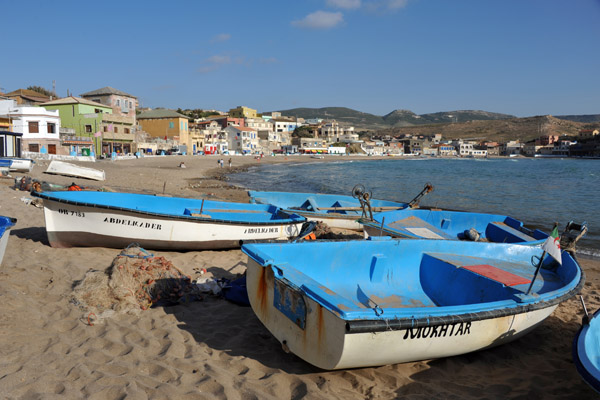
x,y
85,117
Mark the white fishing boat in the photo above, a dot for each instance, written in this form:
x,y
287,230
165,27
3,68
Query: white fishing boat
x,y
19,164
6,223
349,304
87,218
67,169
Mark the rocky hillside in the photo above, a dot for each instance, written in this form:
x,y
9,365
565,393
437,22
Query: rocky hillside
x,y
400,118
502,130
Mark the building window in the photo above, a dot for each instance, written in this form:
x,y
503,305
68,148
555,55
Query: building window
x,y
116,129
88,129
105,128
34,147
34,127
171,125
51,128
126,130
97,100
118,102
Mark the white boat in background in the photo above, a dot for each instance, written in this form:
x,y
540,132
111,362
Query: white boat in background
x,y
6,223
68,169
19,164
107,219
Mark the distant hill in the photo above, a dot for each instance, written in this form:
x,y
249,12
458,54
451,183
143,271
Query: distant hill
x,y
502,130
344,115
588,118
400,118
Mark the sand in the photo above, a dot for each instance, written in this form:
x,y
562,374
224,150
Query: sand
x,y
212,348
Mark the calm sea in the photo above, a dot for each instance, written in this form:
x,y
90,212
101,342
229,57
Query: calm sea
x,y
535,191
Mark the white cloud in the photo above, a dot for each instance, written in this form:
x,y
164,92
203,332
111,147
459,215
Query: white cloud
x,y
385,5
222,37
320,20
346,4
219,59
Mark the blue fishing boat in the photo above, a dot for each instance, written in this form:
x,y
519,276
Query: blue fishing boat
x,y
6,223
450,225
346,304
337,211
586,350
86,218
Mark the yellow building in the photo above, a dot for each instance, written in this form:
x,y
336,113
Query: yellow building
x,y
242,112
166,124
5,123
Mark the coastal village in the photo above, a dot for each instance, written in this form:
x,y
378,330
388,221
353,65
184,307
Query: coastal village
x,y
108,123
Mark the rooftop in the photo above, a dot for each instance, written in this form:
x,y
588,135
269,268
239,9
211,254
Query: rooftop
x,y
161,113
107,90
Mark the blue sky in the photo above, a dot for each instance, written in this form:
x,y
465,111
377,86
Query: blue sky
x,y
519,57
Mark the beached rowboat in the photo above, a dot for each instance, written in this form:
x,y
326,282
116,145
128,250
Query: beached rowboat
x,y
337,211
450,225
586,351
18,164
374,302
67,169
6,223
86,218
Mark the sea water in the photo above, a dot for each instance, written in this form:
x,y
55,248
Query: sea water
x,y
536,191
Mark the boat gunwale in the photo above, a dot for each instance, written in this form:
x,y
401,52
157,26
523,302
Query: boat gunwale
x,y
366,325
381,325
187,218
583,365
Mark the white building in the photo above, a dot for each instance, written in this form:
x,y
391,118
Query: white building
x,y
284,125
333,132
242,140
40,129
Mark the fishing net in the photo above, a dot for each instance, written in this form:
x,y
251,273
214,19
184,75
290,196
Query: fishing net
x,y
135,281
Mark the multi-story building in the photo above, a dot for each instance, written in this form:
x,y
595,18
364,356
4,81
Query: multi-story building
x,y
109,133
283,125
122,104
39,127
242,140
167,124
242,112
333,132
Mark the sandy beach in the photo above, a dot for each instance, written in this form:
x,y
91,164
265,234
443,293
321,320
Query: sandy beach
x,y
214,349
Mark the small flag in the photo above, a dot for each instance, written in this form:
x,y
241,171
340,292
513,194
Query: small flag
x,y
98,134
552,245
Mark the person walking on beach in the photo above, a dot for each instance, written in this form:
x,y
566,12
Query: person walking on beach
x,y
229,162
221,161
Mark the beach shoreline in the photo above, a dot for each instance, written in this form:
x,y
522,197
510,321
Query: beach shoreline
x,y
50,347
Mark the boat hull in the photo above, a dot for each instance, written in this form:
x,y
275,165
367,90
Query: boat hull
x,y
586,351
67,169
325,342
349,304
72,225
337,211
6,224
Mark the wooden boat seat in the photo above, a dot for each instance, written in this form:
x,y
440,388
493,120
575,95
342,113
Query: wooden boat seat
x,y
501,232
416,227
